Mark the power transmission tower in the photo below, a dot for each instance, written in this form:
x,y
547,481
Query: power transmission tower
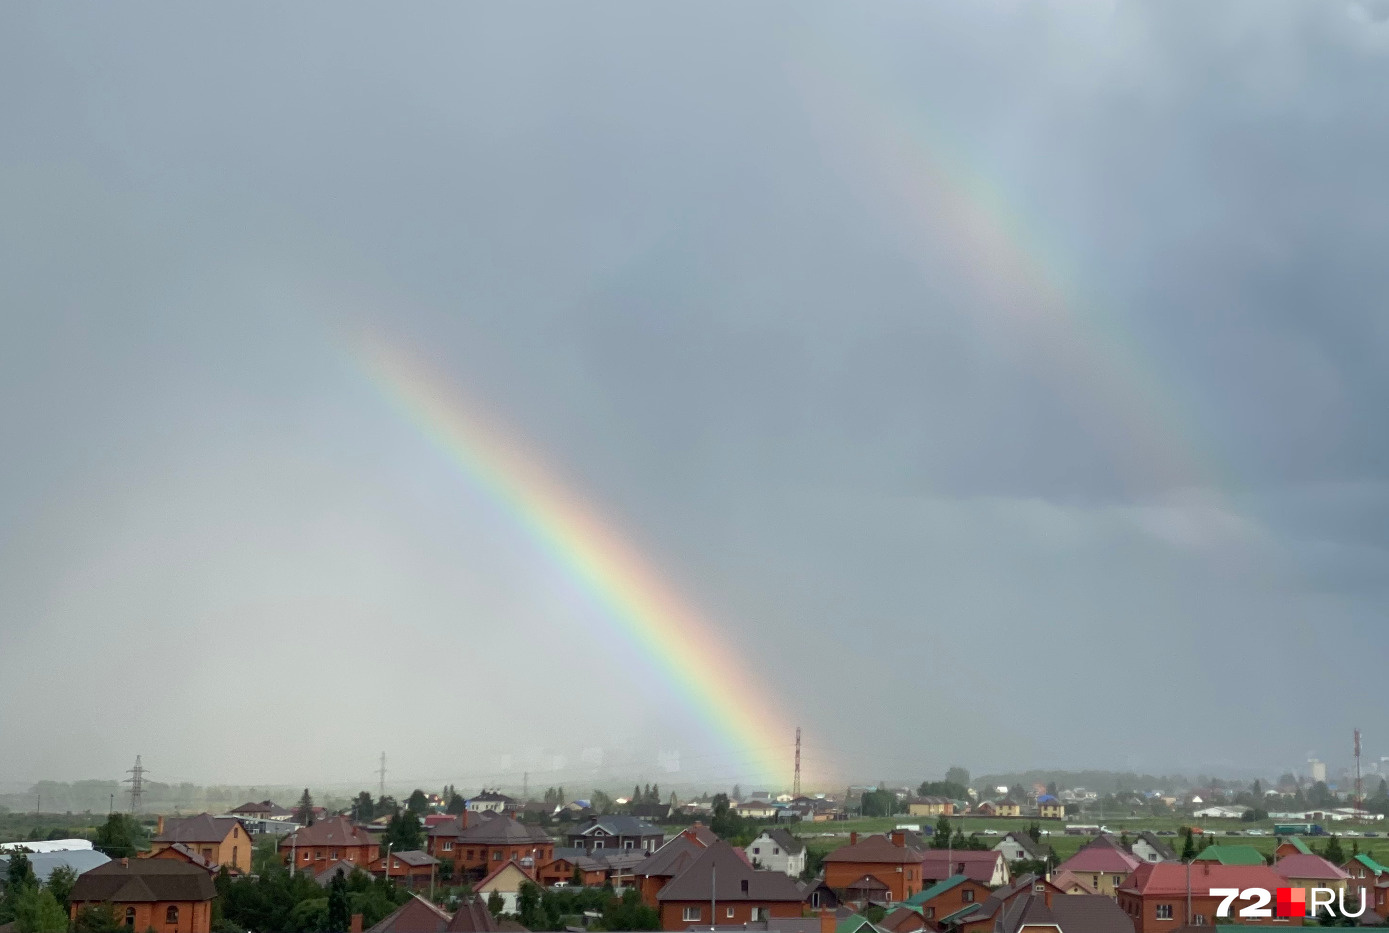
x,y
1359,784
137,784
381,790
525,786
796,781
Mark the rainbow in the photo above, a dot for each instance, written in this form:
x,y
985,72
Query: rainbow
x,y
688,650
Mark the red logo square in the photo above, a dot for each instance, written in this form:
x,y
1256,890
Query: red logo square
x,y
1292,902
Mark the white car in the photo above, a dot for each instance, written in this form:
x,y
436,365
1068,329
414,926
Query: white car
x,y
1256,832
1350,832
990,832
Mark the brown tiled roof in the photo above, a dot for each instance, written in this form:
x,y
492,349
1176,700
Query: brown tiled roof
x,y
416,915
334,831
875,850
722,868
503,830
193,857
127,881
472,917
943,863
1074,913
670,859
702,834
415,858
201,828
1066,879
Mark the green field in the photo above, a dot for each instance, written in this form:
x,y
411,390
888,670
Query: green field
x,y
824,837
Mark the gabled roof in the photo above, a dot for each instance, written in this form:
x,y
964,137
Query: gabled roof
x,y
723,871
1163,850
143,880
502,869
942,863
1308,866
492,796
904,918
702,834
334,831
1231,855
788,843
1297,843
325,877
1368,862
1171,877
670,859
416,915
615,824
193,858
1103,854
1033,850
1075,913
201,828
867,882
472,917
875,850
937,889
1065,880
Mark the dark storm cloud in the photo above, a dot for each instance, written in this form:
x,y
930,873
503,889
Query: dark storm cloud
x,y
654,240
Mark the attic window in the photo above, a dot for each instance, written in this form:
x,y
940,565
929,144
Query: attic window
x,y
745,885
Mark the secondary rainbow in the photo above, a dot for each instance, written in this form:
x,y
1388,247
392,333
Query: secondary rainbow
x,y
689,652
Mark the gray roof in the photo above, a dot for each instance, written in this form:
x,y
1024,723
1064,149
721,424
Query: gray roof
x,y
789,843
79,860
726,870
503,830
416,915
616,824
1074,913
1164,851
1033,849
670,859
415,857
201,828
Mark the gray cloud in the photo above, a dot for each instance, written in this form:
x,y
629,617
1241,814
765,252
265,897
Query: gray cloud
x,y
1120,442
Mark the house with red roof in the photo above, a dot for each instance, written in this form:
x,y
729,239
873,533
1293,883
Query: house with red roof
x,y
851,870
337,839
1310,871
1160,896
988,867
721,880
1102,863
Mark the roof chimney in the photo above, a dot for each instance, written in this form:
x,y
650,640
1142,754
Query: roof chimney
x,y
356,923
853,838
827,920
125,862
899,838
159,827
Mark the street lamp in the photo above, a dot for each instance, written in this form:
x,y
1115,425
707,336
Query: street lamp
x,y
388,860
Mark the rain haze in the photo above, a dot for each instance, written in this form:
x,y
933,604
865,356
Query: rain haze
x,y
551,388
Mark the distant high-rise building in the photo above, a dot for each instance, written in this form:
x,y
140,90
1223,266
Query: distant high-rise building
x,y
1316,770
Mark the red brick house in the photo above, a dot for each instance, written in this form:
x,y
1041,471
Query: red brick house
x,y
160,894
219,840
990,910
886,859
720,879
657,869
415,868
948,897
479,843
592,872
1156,894
330,840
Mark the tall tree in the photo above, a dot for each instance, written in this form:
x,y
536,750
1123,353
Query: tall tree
x,y
38,911
417,803
60,882
957,775
1333,852
941,839
363,808
339,914
304,812
403,833
119,837
1188,847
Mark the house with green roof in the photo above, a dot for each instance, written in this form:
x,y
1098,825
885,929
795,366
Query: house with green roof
x,y
1292,845
948,898
1231,855
1363,866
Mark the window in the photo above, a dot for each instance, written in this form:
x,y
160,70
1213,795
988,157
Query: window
x,y
496,856
234,857
130,917
171,915
692,914
1199,920
756,850
335,855
775,850
448,847
968,897
598,843
729,913
815,899
760,913
470,853
627,844
307,855
929,912
1164,912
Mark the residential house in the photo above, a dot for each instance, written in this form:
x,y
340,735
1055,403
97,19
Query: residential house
x,y
1007,807
778,850
657,869
219,840
183,853
1149,847
1047,912
816,895
415,867
1156,895
721,878
159,894
757,809
981,917
1103,863
473,916
1291,845
1071,883
987,867
1017,845
491,801
572,866
1311,871
888,859
330,840
1050,808
416,915
477,843
265,810
505,880
658,812
324,876
1231,855
1364,875
615,831
930,806
948,897
902,919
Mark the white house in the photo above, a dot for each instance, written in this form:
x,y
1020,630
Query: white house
x,y
777,850
493,801
1016,845
1150,848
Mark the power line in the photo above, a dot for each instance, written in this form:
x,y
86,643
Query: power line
x,y
381,790
137,784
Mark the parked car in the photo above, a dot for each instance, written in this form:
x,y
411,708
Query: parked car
x,y
1372,834
990,832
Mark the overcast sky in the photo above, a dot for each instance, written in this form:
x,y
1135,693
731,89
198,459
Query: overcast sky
x,y
1005,382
